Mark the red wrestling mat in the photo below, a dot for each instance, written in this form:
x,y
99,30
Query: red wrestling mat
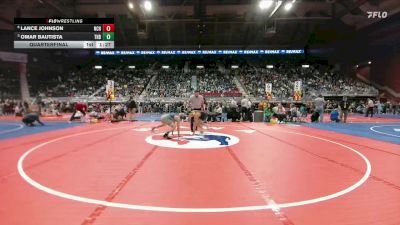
x,y
237,173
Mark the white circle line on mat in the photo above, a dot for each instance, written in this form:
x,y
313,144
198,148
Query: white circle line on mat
x,y
384,133
60,194
20,126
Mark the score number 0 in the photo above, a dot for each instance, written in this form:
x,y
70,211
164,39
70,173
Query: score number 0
x,y
108,27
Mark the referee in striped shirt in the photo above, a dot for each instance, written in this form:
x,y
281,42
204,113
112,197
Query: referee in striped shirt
x,y
196,103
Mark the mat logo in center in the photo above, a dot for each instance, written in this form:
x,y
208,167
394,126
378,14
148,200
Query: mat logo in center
x,y
208,140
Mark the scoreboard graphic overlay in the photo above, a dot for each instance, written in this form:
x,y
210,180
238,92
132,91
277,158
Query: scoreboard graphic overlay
x,y
83,33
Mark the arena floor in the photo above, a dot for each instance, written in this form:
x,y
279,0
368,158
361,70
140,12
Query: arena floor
x,y
237,173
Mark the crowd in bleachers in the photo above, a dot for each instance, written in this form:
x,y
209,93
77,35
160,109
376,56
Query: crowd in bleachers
x,y
210,81
171,83
254,82
335,84
313,81
86,82
177,83
9,82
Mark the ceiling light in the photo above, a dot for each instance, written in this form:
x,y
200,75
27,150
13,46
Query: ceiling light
x,y
288,6
147,5
265,4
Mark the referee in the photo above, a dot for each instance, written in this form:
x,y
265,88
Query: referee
x,y
196,103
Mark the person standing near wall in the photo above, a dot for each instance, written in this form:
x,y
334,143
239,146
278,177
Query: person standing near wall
x,y
344,109
319,103
370,108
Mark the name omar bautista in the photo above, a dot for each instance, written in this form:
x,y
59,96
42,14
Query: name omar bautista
x,y
41,37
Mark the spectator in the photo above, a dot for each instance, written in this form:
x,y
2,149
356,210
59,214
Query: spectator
x,y
379,107
344,109
335,116
370,108
279,112
218,112
246,109
319,107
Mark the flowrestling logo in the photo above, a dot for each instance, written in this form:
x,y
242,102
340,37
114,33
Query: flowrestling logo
x,y
377,14
187,141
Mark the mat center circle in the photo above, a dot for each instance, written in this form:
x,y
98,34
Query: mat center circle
x,y
208,140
